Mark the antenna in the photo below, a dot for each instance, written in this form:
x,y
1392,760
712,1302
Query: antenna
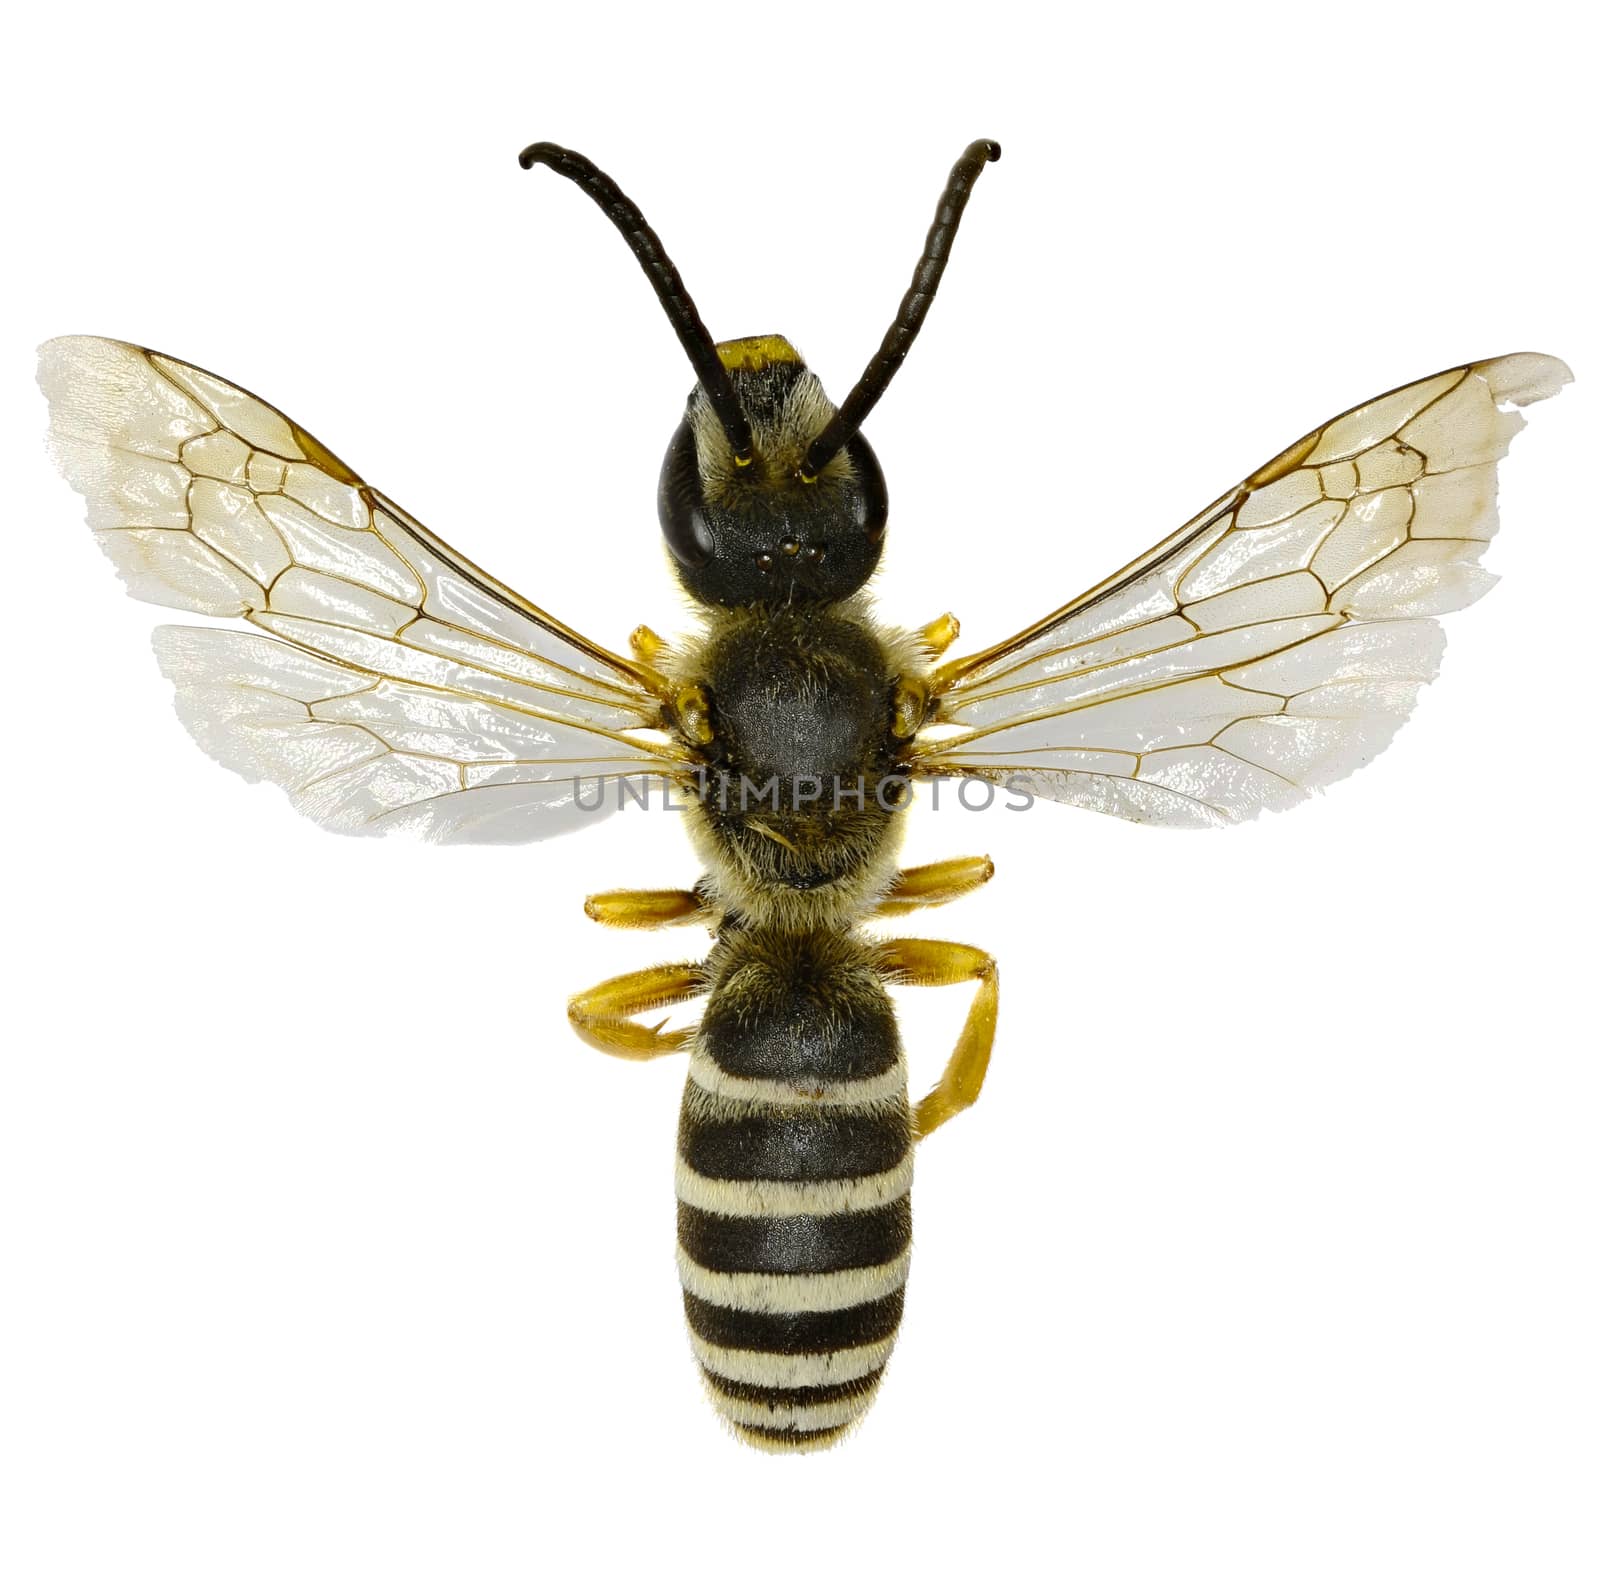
x,y
913,309
664,279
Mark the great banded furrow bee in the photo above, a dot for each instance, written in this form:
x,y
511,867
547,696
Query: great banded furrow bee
x,y
1268,647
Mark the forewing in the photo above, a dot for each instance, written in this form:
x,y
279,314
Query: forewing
x,y
414,689
1272,645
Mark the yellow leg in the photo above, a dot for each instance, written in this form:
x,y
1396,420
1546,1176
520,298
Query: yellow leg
x,y
603,1015
939,635
647,645
645,911
920,963
923,886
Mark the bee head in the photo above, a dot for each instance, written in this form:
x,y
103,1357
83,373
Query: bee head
x,y
763,528
769,496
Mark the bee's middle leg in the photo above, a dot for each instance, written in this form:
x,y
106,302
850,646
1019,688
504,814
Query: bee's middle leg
x,y
603,1015
639,909
923,886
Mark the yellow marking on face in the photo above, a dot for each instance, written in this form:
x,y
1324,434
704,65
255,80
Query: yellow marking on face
x,y
755,353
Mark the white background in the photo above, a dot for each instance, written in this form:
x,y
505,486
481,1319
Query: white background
x,y
1271,1247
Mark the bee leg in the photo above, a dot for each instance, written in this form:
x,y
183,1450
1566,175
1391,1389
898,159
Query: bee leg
x,y
940,635
641,910
921,963
646,644
603,1015
923,886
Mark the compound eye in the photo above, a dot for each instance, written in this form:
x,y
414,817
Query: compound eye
x,y
872,501
679,505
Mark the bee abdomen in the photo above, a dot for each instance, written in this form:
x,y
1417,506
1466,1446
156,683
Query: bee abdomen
x,y
794,1242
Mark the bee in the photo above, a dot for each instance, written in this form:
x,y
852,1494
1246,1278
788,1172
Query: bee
x,y
1265,649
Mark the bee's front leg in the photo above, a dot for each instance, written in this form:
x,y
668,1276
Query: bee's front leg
x,y
940,635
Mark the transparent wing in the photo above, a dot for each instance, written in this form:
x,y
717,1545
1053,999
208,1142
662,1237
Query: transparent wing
x,y
1272,645
405,687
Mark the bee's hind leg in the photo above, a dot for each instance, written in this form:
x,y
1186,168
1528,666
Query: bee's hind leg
x,y
603,1015
923,886
911,962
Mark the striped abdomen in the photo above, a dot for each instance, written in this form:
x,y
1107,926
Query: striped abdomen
x,y
794,1178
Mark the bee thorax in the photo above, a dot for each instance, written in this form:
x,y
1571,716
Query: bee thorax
x,y
797,808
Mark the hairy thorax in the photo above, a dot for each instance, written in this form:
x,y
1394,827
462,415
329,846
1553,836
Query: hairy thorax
x,y
797,814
